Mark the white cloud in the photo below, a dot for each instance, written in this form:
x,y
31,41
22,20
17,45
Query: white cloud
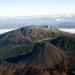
x,y
5,30
61,20
69,15
58,19
71,30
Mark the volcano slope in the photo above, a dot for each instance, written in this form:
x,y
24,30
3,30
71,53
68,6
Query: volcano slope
x,y
18,48
67,44
45,58
21,41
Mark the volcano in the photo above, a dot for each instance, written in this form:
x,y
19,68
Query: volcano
x,y
44,56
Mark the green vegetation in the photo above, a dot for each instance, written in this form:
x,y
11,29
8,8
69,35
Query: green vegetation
x,y
66,43
14,50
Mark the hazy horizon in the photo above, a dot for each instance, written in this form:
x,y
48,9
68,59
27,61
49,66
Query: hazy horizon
x,y
12,8
36,12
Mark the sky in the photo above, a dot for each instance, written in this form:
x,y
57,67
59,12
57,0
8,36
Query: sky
x,y
14,8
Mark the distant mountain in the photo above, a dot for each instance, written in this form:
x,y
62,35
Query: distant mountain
x,y
18,22
66,25
28,33
21,41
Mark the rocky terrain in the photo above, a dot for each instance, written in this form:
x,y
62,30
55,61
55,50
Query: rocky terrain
x,y
35,50
22,40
